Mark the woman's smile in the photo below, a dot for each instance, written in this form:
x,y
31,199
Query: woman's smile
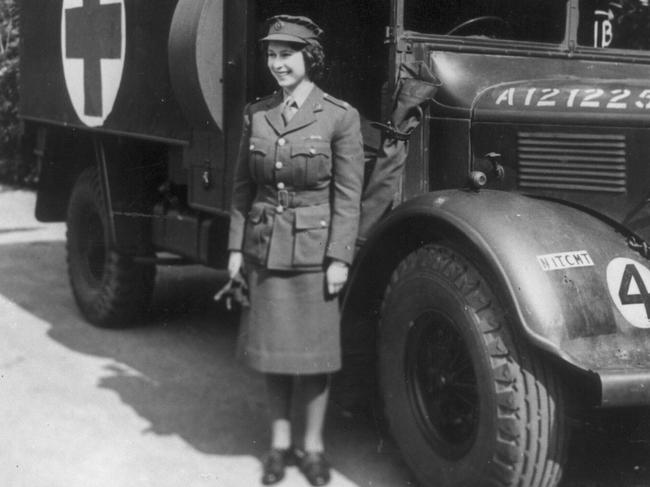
x,y
286,64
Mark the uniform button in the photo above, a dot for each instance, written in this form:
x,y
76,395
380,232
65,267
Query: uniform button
x,y
279,208
323,223
280,186
281,142
252,147
312,151
279,165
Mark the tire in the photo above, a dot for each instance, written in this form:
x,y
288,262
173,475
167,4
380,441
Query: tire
x,y
467,403
110,289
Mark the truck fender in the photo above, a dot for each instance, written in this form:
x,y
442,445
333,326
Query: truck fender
x,y
549,260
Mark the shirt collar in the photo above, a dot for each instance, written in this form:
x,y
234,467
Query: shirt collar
x,y
301,92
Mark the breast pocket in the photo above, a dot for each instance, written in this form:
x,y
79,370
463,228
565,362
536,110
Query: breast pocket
x,y
312,163
257,234
257,155
311,235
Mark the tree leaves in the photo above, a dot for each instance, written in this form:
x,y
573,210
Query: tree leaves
x,y
9,73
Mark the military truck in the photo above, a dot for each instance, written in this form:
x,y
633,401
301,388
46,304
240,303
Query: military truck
x,y
506,286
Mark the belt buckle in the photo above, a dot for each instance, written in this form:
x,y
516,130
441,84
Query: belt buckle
x,y
283,197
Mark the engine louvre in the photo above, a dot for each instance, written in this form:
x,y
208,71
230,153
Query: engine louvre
x,y
572,161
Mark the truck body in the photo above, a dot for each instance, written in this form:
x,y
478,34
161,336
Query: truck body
x,y
517,237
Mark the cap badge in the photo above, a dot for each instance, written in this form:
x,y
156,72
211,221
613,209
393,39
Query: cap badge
x,y
278,25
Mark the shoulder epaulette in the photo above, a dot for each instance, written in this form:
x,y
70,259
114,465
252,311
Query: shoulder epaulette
x,y
335,101
263,99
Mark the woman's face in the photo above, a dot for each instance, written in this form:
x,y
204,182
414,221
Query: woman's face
x,y
286,64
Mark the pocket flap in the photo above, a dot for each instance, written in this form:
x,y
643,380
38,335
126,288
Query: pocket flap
x,y
312,217
258,145
256,214
311,148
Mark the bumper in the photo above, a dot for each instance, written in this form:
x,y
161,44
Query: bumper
x,y
624,388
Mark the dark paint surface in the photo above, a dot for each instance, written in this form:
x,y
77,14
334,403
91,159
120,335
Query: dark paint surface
x,y
568,311
505,94
145,103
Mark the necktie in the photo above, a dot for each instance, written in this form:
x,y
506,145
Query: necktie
x,y
289,110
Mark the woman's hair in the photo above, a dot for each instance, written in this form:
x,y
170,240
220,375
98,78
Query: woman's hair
x,y
314,57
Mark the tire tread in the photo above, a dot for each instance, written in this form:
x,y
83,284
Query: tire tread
x,y
531,434
126,287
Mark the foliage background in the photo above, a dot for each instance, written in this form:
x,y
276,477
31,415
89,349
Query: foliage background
x,y
10,165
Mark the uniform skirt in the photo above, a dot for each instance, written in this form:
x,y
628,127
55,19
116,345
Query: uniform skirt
x,y
292,326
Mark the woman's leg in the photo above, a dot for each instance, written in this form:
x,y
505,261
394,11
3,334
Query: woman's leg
x,y
279,389
312,394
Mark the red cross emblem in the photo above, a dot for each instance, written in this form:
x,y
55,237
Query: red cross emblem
x,y
93,33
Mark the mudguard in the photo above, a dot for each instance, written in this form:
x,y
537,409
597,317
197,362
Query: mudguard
x,y
577,290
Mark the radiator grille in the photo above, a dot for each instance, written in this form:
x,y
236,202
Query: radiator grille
x,y
578,162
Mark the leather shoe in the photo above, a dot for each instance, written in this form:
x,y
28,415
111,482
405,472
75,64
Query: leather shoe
x,y
274,464
315,468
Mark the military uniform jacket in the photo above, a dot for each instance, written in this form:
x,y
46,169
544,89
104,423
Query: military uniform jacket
x,y
297,187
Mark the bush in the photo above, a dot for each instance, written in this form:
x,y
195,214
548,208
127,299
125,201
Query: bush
x,y
9,72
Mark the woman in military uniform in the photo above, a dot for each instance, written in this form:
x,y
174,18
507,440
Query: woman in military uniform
x,y
294,221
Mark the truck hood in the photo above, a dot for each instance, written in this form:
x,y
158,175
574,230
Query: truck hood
x,y
566,100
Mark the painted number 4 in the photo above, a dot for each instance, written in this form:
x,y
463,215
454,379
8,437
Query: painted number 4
x,y
628,295
628,283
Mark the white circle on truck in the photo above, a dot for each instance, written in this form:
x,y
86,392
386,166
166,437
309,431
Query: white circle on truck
x,y
629,286
93,45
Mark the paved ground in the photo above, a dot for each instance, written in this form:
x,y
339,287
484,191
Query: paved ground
x,y
162,405
165,404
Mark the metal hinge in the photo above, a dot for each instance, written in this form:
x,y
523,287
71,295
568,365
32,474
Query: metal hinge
x,y
389,35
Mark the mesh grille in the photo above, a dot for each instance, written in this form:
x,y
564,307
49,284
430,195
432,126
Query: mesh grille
x,y
578,162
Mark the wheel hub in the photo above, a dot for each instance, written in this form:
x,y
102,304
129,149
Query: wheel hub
x,y
442,384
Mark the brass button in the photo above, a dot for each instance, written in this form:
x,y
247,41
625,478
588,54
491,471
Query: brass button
x,y
280,185
323,223
279,208
281,142
252,147
312,151
279,165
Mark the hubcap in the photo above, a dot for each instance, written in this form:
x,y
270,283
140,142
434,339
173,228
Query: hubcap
x,y
442,384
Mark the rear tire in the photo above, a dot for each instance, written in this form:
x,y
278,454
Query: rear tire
x,y
109,288
466,401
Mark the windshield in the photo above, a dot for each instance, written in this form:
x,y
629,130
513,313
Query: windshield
x,y
619,24
520,20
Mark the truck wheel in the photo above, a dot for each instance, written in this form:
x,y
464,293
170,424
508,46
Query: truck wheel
x,y
109,288
466,401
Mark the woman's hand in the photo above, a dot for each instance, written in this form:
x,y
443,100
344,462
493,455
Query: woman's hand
x,y
337,275
235,260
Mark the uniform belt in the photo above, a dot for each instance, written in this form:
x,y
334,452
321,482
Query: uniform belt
x,y
294,199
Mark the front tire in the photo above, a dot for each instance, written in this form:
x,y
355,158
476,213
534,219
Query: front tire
x,y
468,403
109,288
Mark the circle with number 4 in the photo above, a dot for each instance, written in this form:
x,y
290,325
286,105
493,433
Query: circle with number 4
x,y
629,286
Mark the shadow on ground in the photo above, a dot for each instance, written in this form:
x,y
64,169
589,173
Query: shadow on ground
x,y
179,373
604,457
177,370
